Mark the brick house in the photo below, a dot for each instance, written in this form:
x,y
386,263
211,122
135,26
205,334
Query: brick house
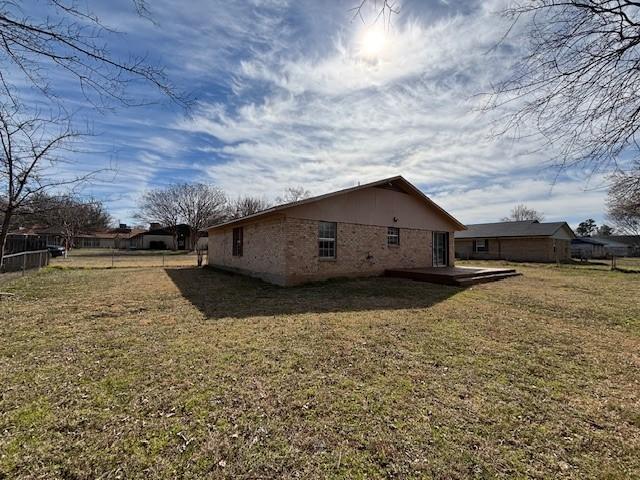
x,y
525,241
358,231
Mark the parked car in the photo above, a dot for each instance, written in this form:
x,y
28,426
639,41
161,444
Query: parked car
x,y
56,250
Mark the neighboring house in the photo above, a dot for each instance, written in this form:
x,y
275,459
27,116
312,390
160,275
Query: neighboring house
x,y
23,242
163,238
358,231
633,241
615,248
113,238
96,240
525,241
46,235
587,247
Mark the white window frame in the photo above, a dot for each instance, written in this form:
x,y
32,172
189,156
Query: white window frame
x,y
393,239
333,240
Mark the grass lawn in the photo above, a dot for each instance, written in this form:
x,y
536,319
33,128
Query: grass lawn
x,y
189,373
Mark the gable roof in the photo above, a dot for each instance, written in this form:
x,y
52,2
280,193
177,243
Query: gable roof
x,y
526,228
397,182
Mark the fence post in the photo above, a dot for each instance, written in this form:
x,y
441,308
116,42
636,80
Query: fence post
x,y
113,253
24,263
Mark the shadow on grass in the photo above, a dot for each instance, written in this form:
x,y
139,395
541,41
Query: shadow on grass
x,y
219,294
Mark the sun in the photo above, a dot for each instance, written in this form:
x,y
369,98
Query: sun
x,y
372,42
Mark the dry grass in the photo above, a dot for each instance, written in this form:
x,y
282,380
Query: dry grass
x,y
190,373
629,264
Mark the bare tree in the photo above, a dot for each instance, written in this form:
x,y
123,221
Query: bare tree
x,y
293,194
623,204
200,205
578,83
522,212
197,205
384,9
44,210
65,39
74,217
247,205
158,205
31,145
69,40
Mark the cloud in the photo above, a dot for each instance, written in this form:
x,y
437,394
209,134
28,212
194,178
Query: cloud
x,y
572,200
333,120
291,94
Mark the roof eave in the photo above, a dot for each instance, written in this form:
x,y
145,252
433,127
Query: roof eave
x,y
279,208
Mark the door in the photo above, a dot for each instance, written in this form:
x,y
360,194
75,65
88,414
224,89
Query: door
x,y
440,249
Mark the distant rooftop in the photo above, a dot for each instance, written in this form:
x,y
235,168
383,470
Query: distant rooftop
x,y
610,241
589,240
526,228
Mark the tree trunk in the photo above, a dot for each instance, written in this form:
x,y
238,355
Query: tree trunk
x,y
4,231
193,240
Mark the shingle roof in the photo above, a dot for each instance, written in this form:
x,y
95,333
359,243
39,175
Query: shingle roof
x,y
628,239
589,240
527,228
610,242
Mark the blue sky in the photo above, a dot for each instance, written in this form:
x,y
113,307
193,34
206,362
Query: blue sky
x,y
296,93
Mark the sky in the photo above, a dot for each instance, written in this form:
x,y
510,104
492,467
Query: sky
x,y
298,92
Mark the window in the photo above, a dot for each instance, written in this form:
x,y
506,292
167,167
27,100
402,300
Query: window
x,y
237,242
481,245
393,236
327,240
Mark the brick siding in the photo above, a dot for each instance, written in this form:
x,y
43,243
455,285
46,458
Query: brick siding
x,y
361,250
285,251
517,249
263,254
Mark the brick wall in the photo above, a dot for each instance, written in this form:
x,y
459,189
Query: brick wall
x,y
361,250
285,251
263,253
517,249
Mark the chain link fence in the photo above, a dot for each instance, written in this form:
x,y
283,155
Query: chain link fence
x,y
105,258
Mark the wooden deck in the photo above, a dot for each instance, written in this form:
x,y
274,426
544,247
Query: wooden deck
x,y
460,276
